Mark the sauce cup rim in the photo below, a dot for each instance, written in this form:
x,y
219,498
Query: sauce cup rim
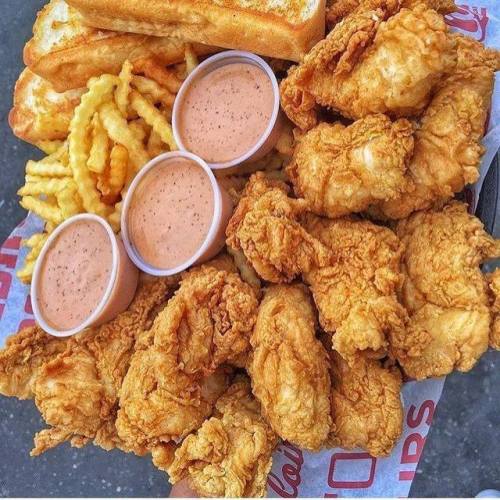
x,y
134,255
109,289
202,67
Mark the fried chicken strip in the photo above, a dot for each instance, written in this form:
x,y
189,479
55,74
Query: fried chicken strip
x,y
366,405
173,380
448,146
265,227
338,9
494,286
231,454
356,296
366,66
76,391
340,170
23,356
289,367
444,291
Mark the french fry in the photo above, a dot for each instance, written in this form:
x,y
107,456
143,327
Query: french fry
x,y
159,94
43,209
191,58
111,184
45,186
49,147
114,218
155,145
123,89
60,156
140,129
99,151
98,93
153,118
69,201
49,227
34,240
156,71
26,272
119,132
47,169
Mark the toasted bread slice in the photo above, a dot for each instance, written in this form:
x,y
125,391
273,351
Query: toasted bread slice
x,y
67,53
285,29
40,113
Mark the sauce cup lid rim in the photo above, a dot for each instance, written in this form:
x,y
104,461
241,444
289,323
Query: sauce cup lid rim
x,y
229,54
134,255
109,289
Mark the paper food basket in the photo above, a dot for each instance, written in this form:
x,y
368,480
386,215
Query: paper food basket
x,y
335,472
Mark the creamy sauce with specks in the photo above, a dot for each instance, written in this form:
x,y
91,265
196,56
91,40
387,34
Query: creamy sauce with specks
x,y
75,274
225,112
171,213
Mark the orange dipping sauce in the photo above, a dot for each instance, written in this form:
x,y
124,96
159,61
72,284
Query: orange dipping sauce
x,y
225,112
170,213
75,274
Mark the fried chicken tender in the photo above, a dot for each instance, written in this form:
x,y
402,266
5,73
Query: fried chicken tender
x,y
444,291
172,382
356,295
289,367
77,390
23,356
448,146
366,405
231,454
494,286
341,170
265,227
338,9
366,66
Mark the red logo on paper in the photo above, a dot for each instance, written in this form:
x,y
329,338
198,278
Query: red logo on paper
x,y
288,486
471,20
414,443
342,462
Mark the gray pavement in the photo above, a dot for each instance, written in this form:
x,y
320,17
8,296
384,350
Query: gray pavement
x,y
461,457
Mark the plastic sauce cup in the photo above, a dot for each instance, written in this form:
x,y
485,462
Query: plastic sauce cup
x,y
119,292
215,239
270,136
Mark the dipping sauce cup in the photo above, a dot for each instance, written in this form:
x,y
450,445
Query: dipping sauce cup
x,y
228,110
83,277
174,215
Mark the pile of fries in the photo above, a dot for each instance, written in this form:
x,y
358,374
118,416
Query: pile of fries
x,y
120,124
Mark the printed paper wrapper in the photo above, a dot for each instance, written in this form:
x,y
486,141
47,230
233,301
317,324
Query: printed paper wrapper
x,y
334,472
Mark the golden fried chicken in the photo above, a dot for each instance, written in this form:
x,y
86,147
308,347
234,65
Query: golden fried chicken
x,y
23,356
494,286
265,227
356,295
172,382
448,146
231,454
77,390
289,367
338,9
366,405
340,170
444,291
366,66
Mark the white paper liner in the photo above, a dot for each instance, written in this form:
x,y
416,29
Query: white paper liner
x,y
335,472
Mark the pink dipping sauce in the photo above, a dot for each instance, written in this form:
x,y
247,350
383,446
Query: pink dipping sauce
x,y
75,274
226,112
171,212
